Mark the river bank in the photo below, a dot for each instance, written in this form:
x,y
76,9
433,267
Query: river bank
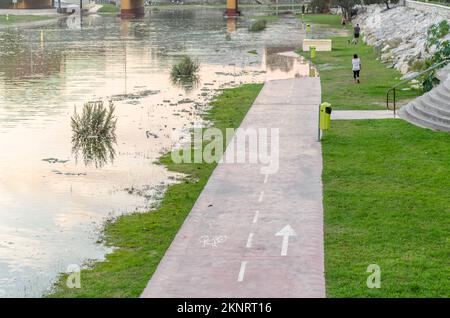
x,y
141,239
26,21
53,206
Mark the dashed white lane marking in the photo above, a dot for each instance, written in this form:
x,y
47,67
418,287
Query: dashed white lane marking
x,y
255,218
266,178
242,271
249,240
261,196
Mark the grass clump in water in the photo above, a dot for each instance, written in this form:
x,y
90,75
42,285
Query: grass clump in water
x,y
258,25
94,133
185,72
187,67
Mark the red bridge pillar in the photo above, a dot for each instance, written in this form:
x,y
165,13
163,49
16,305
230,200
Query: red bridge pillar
x,y
132,9
232,9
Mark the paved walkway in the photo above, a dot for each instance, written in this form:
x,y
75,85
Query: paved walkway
x,y
268,229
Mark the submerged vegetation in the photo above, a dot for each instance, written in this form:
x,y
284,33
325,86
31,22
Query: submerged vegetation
x,y
185,72
93,133
258,25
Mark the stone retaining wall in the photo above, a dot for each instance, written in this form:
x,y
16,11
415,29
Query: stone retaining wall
x,y
442,10
399,34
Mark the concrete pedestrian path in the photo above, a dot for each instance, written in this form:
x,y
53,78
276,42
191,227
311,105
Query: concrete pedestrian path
x,y
256,235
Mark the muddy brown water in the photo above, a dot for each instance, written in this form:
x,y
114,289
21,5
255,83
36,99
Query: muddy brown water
x,y
53,206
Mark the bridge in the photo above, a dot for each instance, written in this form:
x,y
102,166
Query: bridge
x,y
128,8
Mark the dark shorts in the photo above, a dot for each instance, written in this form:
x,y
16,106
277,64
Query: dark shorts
x,y
356,35
356,74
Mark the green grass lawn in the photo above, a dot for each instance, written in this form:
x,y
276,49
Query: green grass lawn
x,y
108,8
330,20
335,68
268,18
22,18
386,202
142,238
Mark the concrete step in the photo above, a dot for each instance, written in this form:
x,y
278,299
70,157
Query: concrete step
x,y
436,105
442,94
430,114
438,100
445,87
443,73
409,114
432,110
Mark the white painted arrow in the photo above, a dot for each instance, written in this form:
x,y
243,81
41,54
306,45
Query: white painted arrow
x,y
285,232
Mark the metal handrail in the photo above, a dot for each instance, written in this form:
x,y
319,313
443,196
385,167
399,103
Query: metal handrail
x,y
394,88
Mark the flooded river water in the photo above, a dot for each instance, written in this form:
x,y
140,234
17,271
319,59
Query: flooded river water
x,y
52,203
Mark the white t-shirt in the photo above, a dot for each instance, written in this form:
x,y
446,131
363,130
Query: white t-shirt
x,y
356,63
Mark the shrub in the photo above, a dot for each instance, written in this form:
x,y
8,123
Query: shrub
x,y
440,46
258,25
185,71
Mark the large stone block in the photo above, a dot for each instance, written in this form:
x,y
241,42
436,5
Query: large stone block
x,y
319,44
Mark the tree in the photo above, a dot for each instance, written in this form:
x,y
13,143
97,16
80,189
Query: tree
x,y
386,2
346,6
438,43
320,6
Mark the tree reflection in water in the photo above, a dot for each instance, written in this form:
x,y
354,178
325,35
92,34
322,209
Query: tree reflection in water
x,y
188,83
93,133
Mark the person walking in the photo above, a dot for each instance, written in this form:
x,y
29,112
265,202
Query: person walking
x,y
357,31
356,66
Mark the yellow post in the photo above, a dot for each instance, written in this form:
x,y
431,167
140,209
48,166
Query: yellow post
x,y
130,9
232,9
